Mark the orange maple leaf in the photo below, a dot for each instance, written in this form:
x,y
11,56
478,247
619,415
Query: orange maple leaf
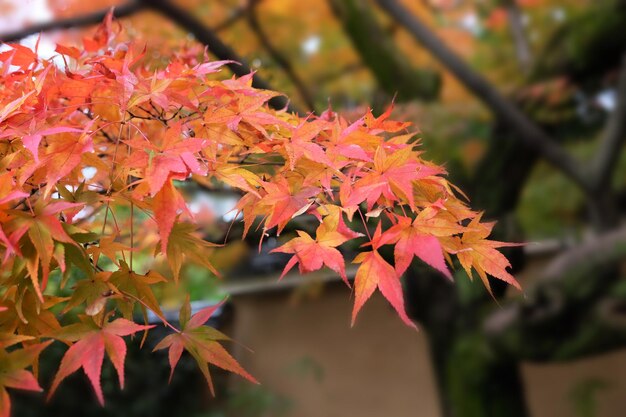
x,y
284,203
202,342
14,375
475,251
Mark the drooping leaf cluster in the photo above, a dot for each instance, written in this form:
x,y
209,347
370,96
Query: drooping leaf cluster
x,y
104,132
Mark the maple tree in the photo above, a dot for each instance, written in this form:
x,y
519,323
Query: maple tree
x,y
106,132
543,69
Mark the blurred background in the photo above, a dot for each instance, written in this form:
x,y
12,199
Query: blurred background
x,y
523,101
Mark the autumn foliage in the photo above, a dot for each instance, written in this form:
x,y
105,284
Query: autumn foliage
x,y
106,133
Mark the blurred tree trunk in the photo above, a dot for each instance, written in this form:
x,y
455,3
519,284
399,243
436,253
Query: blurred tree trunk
x,y
393,72
473,381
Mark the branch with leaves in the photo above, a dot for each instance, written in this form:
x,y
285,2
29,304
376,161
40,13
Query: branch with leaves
x,y
100,147
123,10
170,11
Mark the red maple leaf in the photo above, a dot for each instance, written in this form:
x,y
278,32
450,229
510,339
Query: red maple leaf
x,y
283,202
374,272
175,155
88,351
14,375
392,177
166,204
311,254
411,241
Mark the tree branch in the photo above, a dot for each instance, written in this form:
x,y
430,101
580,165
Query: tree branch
x,y
503,109
232,19
172,12
123,10
580,294
218,48
277,56
376,47
608,154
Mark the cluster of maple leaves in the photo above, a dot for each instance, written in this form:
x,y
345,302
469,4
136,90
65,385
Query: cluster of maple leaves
x,y
106,132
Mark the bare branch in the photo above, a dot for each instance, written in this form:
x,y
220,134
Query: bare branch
x,y
598,251
277,56
526,130
608,154
232,19
123,10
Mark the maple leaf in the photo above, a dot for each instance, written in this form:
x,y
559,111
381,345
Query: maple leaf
x,y
345,142
108,247
202,342
238,177
392,175
301,144
102,36
182,244
43,228
374,272
173,157
283,203
93,292
155,91
138,287
438,221
63,155
381,122
311,254
32,140
87,352
27,315
166,204
9,109
15,376
475,251
333,229
410,241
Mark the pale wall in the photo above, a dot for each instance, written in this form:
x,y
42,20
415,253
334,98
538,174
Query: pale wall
x,y
380,367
